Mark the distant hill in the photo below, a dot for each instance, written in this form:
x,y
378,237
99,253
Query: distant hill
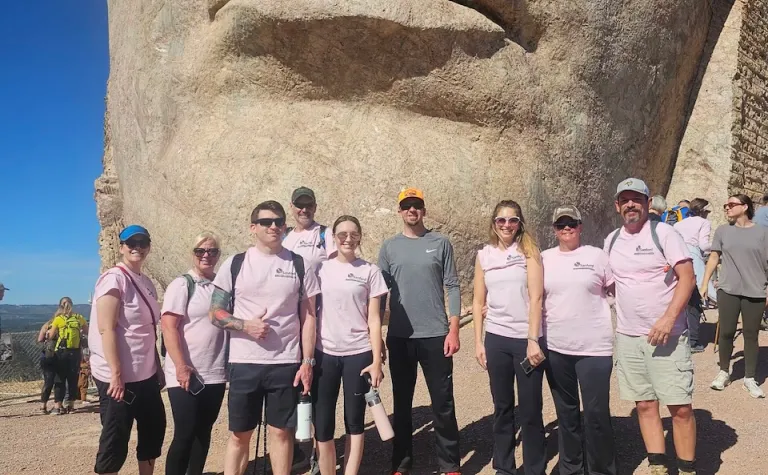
x,y
19,318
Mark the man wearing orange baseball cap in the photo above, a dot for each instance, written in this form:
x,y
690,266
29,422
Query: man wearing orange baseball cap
x,y
418,266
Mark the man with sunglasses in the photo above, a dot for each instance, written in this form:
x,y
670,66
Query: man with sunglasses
x,y
654,281
418,266
272,338
307,238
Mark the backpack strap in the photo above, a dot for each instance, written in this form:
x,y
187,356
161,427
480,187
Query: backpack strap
x,y
190,287
237,264
613,240
298,264
287,230
321,244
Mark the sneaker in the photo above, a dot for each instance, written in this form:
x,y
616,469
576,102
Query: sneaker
x,y
721,381
314,467
55,411
697,348
750,385
659,470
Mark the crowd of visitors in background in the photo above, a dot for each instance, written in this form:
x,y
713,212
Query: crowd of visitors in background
x,y
261,325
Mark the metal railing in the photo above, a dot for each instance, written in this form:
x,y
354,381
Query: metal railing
x,y
20,373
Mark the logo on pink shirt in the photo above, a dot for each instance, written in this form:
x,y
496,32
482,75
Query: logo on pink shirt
x,y
284,273
643,251
353,278
580,266
514,258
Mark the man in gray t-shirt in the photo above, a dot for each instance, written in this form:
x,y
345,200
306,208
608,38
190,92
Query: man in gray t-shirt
x,y
418,265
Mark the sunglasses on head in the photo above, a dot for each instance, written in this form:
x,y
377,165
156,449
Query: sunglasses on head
x,y
200,252
728,206
501,220
415,204
268,222
573,224
141,243
344,235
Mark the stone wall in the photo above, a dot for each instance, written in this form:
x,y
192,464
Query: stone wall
x,y
749,173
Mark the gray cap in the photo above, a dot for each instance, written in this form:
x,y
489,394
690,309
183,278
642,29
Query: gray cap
x,y
2,287
633,184
569,211
302,191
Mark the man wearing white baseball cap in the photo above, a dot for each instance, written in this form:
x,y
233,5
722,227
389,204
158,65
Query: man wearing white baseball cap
x,y
654,281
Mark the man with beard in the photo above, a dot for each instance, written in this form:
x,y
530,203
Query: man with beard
x,y
418,266
307,238
654,281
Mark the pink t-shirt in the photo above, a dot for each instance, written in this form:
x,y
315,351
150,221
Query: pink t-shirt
x,y
201,342
135,328
695,231
577,316
643,290
506,280
307,244
346,289
267,282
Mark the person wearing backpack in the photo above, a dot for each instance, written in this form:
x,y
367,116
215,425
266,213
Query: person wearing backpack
x,y
265,299
67,329
47,364
195,359
654,281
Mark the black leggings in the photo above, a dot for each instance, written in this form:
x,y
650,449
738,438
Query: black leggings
x,y
329,372
48,365
751,310
193,419
67,372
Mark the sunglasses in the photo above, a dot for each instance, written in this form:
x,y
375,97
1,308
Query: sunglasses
x,y
200,252
344,235
303,205
268,222
728,206
136,243
573,224
418,205
501,221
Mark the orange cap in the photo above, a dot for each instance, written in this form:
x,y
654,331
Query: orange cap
x,y
410,193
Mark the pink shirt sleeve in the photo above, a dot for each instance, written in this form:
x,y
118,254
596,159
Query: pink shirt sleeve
x,y
223,279
704,232
311,284
376,283
109,281
675,250
607,272
175,300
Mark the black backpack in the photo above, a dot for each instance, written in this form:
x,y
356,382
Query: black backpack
x,y
190,292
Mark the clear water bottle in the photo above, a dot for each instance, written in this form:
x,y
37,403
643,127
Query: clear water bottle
x,y
373,401
304,418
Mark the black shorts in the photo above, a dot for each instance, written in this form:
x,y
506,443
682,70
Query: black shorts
x,y
117,420
251,384
329,372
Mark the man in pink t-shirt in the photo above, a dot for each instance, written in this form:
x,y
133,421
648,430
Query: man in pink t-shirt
x,y
654,281
272,338
307,238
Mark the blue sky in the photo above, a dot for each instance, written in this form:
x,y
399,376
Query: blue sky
x,y
55,62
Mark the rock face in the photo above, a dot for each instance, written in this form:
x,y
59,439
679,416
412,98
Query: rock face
x,y
214,106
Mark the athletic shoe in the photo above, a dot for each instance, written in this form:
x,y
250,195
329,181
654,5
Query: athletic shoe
x,y
659,470
721,381
750,385
55,412
697,348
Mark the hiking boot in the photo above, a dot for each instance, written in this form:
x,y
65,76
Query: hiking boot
x,y
659,470
697,348
721,381
750,385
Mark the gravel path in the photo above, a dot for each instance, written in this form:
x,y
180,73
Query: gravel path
x,y
730,441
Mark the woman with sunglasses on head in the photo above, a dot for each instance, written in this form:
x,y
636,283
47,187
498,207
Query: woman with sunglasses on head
x,y
742,246
509,280
579,331
124,361
194,366
348,345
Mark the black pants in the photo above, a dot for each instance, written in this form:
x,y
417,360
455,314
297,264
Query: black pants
x,y
693,315
117,420
48,365
329,372
193,419
504,356
751,310
404,356
67,371
593,375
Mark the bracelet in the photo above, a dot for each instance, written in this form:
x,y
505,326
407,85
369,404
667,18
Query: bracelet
x,y
533,339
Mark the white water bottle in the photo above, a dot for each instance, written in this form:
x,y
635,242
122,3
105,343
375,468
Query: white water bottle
x,y
304,419
373,401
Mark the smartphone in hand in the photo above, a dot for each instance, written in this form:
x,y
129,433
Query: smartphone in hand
x,y
195,384
129,396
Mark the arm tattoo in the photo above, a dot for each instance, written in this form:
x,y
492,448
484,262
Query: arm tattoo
x,y
219,314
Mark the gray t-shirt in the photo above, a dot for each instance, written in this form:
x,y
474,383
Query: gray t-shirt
x,y
744,257
417,270
761,216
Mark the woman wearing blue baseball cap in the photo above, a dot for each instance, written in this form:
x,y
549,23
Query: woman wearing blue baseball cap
x,y
124,360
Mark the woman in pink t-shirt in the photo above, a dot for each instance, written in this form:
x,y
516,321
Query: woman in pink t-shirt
x,y
194,365
509,281
348,345
124,360
579,331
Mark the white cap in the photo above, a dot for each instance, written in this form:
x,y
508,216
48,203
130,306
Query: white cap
x,y
633,184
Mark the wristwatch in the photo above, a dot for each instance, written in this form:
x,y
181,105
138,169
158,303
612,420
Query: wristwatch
x,y
309,361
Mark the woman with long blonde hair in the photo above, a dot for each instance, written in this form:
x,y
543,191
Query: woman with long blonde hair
x,y
67,328
509,279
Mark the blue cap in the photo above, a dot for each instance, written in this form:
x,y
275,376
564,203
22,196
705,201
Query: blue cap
x,y
133,230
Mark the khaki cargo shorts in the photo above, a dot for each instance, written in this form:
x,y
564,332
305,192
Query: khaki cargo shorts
x,y
654,373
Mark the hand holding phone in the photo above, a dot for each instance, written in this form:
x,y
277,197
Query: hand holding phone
x,y
527,366
196,385
129,396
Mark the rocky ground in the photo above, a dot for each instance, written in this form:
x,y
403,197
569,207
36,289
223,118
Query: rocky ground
x,y
730,441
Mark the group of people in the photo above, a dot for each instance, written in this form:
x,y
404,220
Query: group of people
x,y
299,313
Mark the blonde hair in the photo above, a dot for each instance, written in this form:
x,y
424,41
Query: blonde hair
x,y
206,236
525,241
65,307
